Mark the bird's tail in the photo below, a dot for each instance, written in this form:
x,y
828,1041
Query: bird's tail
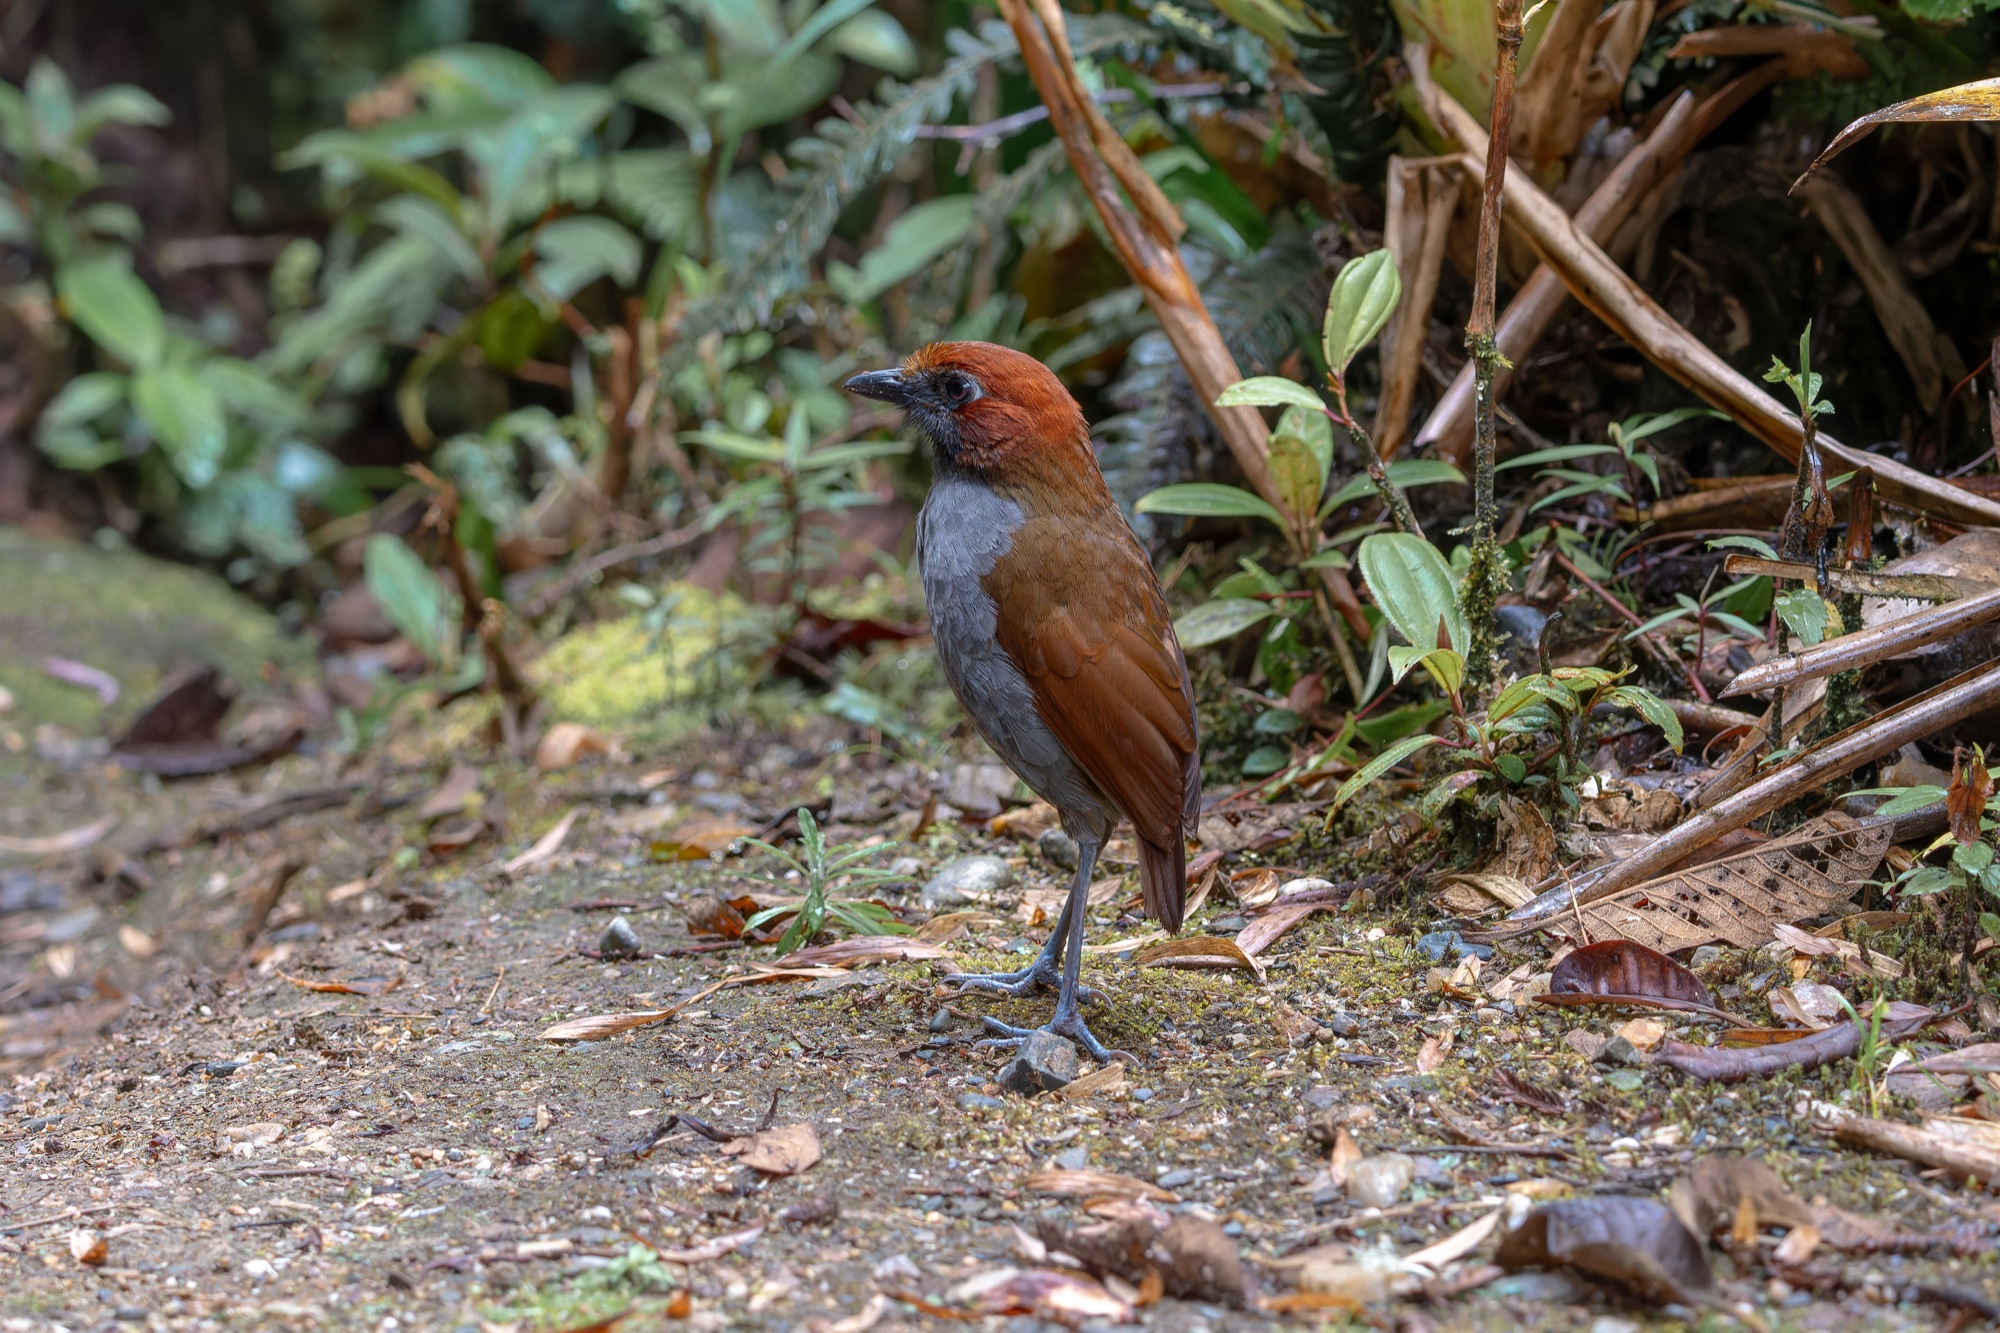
x,y
1163,879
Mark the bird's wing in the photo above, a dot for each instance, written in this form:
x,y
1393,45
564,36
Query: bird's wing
x,y
1087,625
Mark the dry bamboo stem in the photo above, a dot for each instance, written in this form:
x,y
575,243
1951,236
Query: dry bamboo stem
x,y
1144,233
1924,715
1606,291
1851,652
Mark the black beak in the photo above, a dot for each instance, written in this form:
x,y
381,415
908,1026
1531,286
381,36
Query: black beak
x,y
891,386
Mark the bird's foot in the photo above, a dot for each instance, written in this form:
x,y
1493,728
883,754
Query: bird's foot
x,y
1070,1025
1019,985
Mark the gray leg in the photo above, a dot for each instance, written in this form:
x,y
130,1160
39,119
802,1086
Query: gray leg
x,y
1068,937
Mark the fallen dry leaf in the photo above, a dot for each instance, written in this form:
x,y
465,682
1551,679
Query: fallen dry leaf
x,y
1979,100
54,844
565,743
136,941
1643,1033
1197,951
1634,1243
1111,1078
858,949
1269,928
1965,801
700,839
364,986
1061,1298
545,846
708,1250
1739,899
1433,1052
784,1151
1060,1183
1457,1245
453,795
596,1027
87,1246
1626,973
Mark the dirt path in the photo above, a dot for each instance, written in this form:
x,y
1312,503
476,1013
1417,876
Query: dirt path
x,y
253,1152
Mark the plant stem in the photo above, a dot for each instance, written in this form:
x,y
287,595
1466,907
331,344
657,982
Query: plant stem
x,y
1487,576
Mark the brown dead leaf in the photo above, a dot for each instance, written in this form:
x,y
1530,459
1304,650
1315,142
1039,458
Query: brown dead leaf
x,y
1622,972
545,846
362,986
54,844
596,1027
1111,1078
1635,1243
948,926
1061,1298
453,795
1346,1152
1979,100
565,743
1269,928
1434,1051
709,1250
784,1151
718,916
1965,801
86,1246
858,949
1740,899
1198,951
702,838
1059,1183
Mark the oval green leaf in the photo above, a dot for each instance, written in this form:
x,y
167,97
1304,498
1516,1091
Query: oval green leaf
x,y
1212,622
1207,499
1363,297
1411,582
105,298
1270,391
184,417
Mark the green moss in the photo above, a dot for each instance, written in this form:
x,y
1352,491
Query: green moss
x,y
128,614
660,673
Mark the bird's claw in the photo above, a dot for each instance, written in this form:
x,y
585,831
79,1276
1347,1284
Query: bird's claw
x,y
1063,1025
1019,985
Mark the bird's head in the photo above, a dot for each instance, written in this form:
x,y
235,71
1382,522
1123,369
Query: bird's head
x,y
985,409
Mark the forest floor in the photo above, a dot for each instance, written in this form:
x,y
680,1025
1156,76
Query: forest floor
x,y
351,1120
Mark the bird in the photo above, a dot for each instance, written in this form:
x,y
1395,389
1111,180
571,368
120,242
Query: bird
x,y
1053,631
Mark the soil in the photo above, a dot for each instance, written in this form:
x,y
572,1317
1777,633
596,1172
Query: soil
x,y
405,1152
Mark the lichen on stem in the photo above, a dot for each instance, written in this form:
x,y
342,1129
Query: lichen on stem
x,y
1486,578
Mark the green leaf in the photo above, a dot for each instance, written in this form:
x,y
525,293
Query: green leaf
x,y
1635,429
732,445
184,417
1443,665
1511,767
1560,453
1277,722
1212,622
1804,610
1208,499
1295,475
1755,545
1990,923
51,107
1651,707
420,215
1379,765
1904,800
914,240
106,299
823,21
1312,425
85,399
340,153
1363,297
411,596
1408,473
1270,391
874,38
120,104
577,251
1411,582
1265,760
545,129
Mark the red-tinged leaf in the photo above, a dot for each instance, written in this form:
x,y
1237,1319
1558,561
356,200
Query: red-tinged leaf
x,y
865,949
1634,1243
1269,928
1965,803
362,986
784,1151
1625,970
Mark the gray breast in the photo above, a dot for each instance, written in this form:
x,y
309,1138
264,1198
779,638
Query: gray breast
x,y
965,527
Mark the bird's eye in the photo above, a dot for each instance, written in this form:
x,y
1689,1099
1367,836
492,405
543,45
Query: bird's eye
x,y
958,390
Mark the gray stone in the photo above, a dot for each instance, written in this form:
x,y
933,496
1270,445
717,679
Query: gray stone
x,y
1043,1063
1075,1159
1341,1023
1142,1094
618,939
1619,1051
1174,1179
1320,1097
979,1101
1378,1181
980,789
1058,848
941,1021
969,879
1705,955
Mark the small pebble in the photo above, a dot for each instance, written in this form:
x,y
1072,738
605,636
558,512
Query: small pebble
x,y
979,1101
1341,1023
1075,1159
1439,943
1378,1181
1043,1063
968,879
1705,955
618,939
1142,1094
941,1021
1174,1179
1058,848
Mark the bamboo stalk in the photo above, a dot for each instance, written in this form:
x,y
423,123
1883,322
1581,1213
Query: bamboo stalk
x,y
1606,291
1865,647
1924,715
